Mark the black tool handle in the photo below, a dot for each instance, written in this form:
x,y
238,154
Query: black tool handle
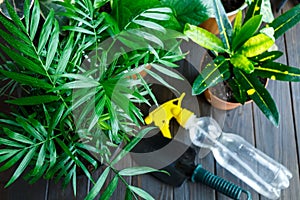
x,y
221,185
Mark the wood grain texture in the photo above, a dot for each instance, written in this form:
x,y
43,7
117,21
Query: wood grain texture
x,y
280,143
238,121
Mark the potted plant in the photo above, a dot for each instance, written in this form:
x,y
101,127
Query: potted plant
x,y
243,55
77,98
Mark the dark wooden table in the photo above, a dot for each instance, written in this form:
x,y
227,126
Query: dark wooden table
x,y
280,143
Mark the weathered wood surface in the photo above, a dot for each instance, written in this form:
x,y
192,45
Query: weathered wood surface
x,y
282,143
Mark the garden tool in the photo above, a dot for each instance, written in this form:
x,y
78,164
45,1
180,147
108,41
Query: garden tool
x,y
231,151
184,167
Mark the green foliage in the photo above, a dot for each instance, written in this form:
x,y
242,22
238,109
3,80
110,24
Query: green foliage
x,y
243,55
80,87
188,11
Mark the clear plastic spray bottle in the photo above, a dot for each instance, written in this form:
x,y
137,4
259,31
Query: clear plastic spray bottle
x,y
231,151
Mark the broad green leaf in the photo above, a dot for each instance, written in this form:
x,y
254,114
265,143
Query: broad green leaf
x,y
110,189
267,56
45,32
243,63
134,171
18,44
188,11
256,45
211,75
17,137
259,94
253,10
33,100
22,166
278,71
142,193
66,54
13,160
247,31
238,22
36,16
97,187
224,24
286,21
204,38
14,16
40,160
149,24
27,80
131,145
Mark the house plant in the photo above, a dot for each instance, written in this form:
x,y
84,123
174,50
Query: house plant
x,y
243,54
48,66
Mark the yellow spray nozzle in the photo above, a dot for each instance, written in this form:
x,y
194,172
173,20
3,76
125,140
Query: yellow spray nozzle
x,y
162,115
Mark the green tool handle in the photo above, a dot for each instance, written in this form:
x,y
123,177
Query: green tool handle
x,y
221,185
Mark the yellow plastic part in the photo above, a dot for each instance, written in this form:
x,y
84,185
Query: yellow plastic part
x,y
162,115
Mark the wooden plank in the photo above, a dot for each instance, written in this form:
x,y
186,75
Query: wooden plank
x,y
280,143
55,190
238,121
293,52
21,189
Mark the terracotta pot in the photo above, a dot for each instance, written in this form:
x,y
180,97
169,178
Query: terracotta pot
x,y
211,24
222,104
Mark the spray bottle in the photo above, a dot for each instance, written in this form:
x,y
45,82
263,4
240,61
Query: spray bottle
x,y
231,151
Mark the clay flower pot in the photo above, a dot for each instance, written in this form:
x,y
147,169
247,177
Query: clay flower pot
x,y
221,104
